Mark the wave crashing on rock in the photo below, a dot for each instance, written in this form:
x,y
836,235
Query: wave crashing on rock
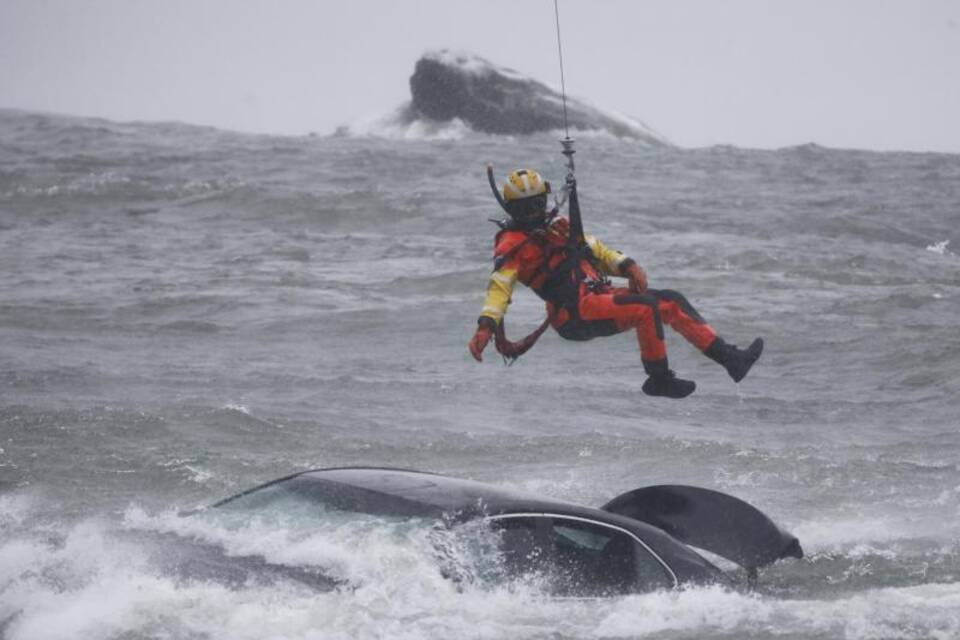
x,y
466,91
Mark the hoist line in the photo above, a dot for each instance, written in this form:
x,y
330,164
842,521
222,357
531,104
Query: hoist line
x,y
563,85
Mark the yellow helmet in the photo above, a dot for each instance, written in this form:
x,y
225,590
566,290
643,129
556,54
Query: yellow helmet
x,y
524,183
525,198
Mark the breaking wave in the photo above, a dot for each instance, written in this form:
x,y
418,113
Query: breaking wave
x,y
87,580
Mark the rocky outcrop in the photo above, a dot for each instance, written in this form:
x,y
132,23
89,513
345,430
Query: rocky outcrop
x,y
447,85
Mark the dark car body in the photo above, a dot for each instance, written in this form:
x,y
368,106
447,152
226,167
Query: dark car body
x,y
638,542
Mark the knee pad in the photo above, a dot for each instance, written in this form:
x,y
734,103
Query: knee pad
x,y
681,301
647,300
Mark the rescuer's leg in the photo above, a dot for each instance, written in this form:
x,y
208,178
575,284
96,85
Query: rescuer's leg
x,y
663,382
677,311
736,361
641,312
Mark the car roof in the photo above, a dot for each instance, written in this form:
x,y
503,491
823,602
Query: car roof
x,y
444,493
458,498
463,500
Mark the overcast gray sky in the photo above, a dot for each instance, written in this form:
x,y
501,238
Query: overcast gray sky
x,y
877,74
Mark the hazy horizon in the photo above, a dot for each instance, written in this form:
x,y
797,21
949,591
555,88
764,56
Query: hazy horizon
x,y
867,75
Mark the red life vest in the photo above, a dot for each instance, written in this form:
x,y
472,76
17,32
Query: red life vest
x,y
547,263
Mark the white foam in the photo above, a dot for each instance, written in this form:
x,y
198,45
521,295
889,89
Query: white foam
x,y
395,125
939,248
91,587
354,551
470,63
912,612
230,406
14,509
195,473
861,533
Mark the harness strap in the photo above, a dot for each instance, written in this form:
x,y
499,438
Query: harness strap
x,y
570,264
513,350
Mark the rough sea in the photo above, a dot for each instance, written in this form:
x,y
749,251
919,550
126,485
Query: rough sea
x,y
187,312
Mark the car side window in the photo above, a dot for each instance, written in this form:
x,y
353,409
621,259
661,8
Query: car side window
x,y
591,560
578,558
597,560
651,574
521,543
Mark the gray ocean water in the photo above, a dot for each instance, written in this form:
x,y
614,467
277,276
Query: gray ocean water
x,y
187,312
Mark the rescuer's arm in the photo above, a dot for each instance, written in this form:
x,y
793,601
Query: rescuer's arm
x,y
614,263
499,291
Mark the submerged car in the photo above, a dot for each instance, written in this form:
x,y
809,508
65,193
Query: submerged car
x,y
642,540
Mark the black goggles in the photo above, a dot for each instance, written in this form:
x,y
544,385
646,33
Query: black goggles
x,y
528,207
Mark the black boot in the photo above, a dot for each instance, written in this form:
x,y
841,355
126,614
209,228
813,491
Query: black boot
x,y
736,361
663,382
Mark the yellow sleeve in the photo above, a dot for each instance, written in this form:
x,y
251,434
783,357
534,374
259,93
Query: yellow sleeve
x,y
499,291
610,259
